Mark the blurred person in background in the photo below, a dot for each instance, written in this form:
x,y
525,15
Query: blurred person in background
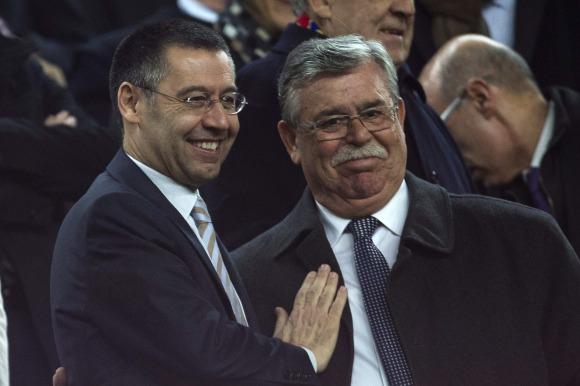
x,y
50,151
252,27
518,144
543,32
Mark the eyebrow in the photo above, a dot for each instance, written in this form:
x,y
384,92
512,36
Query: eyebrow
x,y
342,110
190,89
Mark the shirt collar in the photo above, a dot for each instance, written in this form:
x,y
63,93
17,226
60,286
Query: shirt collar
x,y
393,216
198,10
181,197
545,137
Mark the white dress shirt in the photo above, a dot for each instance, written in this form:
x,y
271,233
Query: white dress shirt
x,y
545,137
500,16
4,373
367,368
181,197
184,199
198,10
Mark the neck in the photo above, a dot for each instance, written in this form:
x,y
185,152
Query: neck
x,y
530,122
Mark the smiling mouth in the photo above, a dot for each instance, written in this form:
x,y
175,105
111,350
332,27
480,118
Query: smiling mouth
x,y
210,146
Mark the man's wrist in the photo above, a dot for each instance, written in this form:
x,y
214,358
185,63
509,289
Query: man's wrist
x,y
312,358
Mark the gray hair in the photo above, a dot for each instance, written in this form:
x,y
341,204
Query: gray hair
x,y
493,62
334,56
299,6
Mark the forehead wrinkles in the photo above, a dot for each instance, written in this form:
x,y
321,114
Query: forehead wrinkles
x,y
367,95
198,67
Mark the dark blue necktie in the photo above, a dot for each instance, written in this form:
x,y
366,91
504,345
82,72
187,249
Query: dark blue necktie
x,y
373,273
538,198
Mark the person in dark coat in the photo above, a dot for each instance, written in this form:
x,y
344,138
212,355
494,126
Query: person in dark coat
x,y
479,291
543,32
142,290
50,151
274,185
518,144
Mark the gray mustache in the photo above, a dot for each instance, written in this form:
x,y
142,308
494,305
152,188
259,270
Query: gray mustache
x,y
351,152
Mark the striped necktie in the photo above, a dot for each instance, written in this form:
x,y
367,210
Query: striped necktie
x,y
208,237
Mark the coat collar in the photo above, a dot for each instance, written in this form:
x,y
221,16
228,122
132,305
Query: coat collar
x,y
565,101
430,220
291,37
429,223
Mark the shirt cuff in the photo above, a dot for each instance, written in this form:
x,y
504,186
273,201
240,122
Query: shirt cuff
x,y
312,358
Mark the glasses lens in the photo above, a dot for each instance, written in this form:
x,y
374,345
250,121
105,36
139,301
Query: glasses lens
x,y
233,102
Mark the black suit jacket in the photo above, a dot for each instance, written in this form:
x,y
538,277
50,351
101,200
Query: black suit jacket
x,y
136,300
274,184
483,292
559,167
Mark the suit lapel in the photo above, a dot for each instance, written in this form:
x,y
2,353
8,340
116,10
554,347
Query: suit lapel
x,y
128,173
312,247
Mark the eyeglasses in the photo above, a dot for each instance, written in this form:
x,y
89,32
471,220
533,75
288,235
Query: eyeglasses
x,y
336,126
454,105
199,102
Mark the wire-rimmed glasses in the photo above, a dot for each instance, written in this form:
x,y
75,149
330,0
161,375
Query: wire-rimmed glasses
x,y
232,102
334,127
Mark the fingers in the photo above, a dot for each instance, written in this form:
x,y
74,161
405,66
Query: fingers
x,y
281,319
318,285
59,377
61,118
328,292
300,298
338,305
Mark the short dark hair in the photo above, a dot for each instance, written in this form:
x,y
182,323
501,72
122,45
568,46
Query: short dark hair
x,y
139,59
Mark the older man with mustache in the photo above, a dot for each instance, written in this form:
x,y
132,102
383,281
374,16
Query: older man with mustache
x,y
444,289
275,185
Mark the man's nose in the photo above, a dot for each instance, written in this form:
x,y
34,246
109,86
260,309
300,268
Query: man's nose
x,y
357,132
216,117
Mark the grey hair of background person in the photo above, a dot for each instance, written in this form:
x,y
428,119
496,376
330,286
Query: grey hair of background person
x,y
333,56
492,62
299,6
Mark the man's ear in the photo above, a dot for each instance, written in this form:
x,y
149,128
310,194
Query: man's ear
x,y
401,112
127,98
288,136
320,9
483,96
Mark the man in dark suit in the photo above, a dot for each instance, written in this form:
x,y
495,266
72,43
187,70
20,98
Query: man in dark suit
x,y
473,290
518,144
143,292
275,184
543,32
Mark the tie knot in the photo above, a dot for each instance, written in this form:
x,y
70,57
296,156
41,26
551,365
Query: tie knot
x,y
200,213
363,227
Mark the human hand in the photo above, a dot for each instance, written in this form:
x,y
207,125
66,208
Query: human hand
x,y
51,70
315,317
59,377
61,118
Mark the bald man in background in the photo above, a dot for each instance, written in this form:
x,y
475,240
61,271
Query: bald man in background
x,y
517,143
